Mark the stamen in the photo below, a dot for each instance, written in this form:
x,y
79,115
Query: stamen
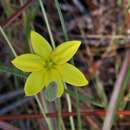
x,y
49,64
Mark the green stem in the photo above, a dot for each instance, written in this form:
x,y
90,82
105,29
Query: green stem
x,y
43,113
47,23
60,121
78,110
58,104
8,42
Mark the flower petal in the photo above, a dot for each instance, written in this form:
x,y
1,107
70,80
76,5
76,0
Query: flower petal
x,y
60,88
54,76
58,80
65,51
73,76
34,83
28,62
40,44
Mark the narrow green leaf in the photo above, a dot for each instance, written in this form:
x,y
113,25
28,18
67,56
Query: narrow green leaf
x,y
100,91
121,102
13,70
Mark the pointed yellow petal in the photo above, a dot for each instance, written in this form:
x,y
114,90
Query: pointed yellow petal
x,y
65,51
28,62
60,87
73,76
40,45
34,83
54,76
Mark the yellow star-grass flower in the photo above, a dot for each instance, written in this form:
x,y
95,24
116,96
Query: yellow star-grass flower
x,y
49,65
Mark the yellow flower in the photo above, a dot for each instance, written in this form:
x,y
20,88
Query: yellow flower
x,y
49,65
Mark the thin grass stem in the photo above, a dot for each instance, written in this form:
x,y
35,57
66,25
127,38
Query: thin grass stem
x,y
78,110
47,23
70,110
8,42
61,20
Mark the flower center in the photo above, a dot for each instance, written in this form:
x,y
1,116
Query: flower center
x,y
49,64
